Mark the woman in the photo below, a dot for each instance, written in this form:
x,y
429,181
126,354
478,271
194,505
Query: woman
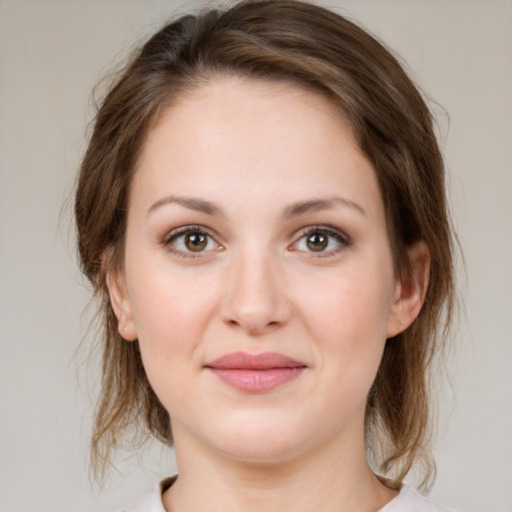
x,y
261,212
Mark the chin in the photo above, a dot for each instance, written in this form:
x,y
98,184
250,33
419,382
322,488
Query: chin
x,y
260,440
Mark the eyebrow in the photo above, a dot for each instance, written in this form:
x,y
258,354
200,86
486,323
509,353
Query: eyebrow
x,y
313,205
293,210
193,203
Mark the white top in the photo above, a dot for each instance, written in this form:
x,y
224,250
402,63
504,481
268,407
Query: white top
x,y
407,500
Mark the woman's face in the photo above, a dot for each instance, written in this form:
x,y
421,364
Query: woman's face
x,y
258,276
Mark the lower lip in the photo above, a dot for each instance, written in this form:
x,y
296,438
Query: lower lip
x,y
257,381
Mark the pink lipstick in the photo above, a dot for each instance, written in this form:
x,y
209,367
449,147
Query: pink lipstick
x,y
256,373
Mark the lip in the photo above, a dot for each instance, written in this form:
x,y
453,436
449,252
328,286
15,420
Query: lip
x,y
256,373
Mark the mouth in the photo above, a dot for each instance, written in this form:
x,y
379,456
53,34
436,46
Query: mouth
x,y
256,373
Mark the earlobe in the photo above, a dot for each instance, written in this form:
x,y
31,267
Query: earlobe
x,y
410,290
120,301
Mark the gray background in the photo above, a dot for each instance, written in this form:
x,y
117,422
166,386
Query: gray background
x,y
52,52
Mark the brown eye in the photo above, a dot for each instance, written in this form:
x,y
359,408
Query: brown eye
x,y
317,242
321,241
190,242
196,242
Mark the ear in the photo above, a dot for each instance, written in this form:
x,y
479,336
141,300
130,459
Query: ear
x,y
120,301
410,290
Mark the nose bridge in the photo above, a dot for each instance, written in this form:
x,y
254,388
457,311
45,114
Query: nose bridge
x,y
255,298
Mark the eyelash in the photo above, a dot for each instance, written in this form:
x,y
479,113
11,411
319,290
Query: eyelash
x,y
175,234
331,232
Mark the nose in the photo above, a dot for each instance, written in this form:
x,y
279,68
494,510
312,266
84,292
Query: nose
x,y
255,298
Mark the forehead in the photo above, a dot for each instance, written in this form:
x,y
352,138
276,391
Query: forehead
x,y
253,139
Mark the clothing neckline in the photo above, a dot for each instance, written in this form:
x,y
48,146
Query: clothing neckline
x,y
402,489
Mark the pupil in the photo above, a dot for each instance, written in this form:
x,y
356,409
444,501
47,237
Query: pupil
x,y
196,241
317,242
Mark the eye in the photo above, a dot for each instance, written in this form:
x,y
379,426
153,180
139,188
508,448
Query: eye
x,y
321,239
189,240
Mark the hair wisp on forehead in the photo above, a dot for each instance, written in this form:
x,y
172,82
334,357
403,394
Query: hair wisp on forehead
x,y
315,49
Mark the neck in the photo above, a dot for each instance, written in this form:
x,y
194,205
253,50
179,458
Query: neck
x,y
332,476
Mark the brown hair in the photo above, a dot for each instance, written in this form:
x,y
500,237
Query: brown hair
x,y
316,49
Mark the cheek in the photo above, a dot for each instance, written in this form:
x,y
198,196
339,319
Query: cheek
x,y
170,311
169,305
348,308
347,316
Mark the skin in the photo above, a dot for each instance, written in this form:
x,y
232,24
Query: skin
x,y
253,150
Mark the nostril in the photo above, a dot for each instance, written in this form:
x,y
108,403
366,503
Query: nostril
x,y
255,308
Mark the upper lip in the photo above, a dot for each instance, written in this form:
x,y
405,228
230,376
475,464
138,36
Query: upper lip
x,y
245,361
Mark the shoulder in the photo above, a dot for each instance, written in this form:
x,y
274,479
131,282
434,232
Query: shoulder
x,y
152,502
409,499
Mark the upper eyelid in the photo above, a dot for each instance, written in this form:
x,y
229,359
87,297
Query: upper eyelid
x,y
326,228
299,234
183,230
167,240
341,238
